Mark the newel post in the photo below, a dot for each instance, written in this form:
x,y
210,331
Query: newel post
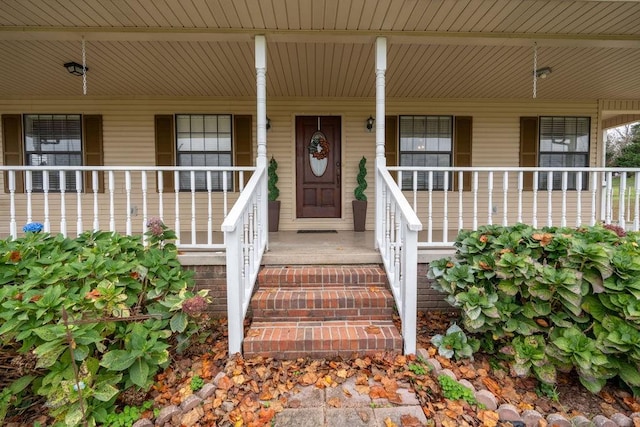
x,y
381,68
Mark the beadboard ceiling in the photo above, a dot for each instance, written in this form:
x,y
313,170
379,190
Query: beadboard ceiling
x,y
322,48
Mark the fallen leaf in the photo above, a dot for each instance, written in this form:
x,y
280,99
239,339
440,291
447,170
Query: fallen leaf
x,y
389,384
631,403
238,379
454,409
362,380
543,238
377,392
371,329
363,389
607,397
341,373
488,418
407,420
346,392
394,398
308,378
636,422
467,372
492,386
335,402
389,423
225,383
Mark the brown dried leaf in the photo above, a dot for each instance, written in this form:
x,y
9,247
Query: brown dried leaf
x,y
308,378
363,389
631,403
468,372
407,420
389,384
542,322
238,379
377,392
454,409
362,379
492,386
225,383
346,392
394,398
372,329
335,402
389,423
543,238
607,397
341,373
488,418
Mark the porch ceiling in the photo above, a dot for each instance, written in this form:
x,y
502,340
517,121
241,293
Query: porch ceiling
x,y
322,48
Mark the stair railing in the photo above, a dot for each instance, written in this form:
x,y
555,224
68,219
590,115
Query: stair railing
x,y
246,237
397,228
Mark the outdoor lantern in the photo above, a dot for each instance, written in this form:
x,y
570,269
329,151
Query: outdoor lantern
x,y
75,68
370,122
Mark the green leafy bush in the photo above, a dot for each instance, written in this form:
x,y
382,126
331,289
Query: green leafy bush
x,y
455,344
100,312
453,390
550,299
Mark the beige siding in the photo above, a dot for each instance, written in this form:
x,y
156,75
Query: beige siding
x,y
128,140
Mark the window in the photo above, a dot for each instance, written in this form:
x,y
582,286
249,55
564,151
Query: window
x,y
426,141
564,143
53,140
204,140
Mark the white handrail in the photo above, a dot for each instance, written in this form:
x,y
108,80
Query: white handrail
x,y
246,236
397,240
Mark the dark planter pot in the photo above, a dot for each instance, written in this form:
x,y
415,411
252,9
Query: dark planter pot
x,y
359,214
274,215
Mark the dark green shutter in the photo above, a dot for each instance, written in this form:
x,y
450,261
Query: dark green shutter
x,y
243,143
12,148
462,146
165,148
528,148
93,149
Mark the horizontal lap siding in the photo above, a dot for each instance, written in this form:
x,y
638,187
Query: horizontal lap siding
x,y
128,127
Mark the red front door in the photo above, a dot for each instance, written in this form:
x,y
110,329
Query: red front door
x,y
318,167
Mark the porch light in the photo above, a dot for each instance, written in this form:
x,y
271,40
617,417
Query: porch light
x,y
75,68
370,122
542,73
268,123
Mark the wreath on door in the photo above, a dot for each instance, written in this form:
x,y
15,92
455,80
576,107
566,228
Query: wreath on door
x,y
319,147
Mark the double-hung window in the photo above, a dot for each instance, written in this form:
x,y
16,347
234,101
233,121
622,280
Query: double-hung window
x,y
426,141
204,140
564,143
53,140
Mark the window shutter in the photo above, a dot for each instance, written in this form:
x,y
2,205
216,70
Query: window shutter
x,y
243,143
93,152
462,146
12,149
165,148
528,148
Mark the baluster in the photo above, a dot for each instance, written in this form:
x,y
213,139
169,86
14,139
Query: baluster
x,y
520,194
192,183
45,189
636,197
224,193
13,228
593,182
430,211
505,195
79,225
112,206
145,213
460,206
414,190
29,190
63,205
160,196
392,239
398,246
490,197
608,197
127,192
176,194
622,192
563,213
209,210
549,198
445,207
95,188
535,200
475,200
579,199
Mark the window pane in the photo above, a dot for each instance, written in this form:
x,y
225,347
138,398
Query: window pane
x,y
197,123
183,123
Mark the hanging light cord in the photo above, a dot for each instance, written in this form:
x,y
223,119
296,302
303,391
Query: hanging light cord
x,y
84,68
535,68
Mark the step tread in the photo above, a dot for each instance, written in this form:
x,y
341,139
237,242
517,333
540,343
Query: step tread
x,y
321,276
321,339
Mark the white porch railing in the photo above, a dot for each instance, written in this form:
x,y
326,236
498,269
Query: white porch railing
x,y
246,234
448,200
396,238
122,199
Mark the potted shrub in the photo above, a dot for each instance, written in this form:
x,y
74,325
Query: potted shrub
x,y
274,204
360,203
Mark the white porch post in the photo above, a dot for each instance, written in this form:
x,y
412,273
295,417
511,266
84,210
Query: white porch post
x,y
261,113
381,161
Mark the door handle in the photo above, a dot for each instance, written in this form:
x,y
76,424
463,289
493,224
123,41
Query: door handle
x,y
338,173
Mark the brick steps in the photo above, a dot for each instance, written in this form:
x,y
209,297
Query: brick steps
x,y
291,340
306,311
335,303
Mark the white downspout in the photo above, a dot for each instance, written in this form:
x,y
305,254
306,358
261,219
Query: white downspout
x,y
381,161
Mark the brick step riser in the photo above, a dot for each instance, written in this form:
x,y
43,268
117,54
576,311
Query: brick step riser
x,y
320,284
321,277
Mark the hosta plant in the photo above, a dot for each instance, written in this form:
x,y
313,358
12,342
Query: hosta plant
x,y
455,344
99,312
550,299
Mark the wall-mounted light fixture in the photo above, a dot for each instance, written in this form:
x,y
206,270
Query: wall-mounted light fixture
x,y
268,123
542,73
370,122
75,68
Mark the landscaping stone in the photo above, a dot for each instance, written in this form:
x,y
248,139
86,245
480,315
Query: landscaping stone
x,y
422,352
531,418
351,398
449,373
621,419
486,398
144,422
467,384
228,406
166,414
396,413
303,417
408,397
436,367
508,412
206,391
557,420
352,417
190,402
217,378
307,397
192,417
602,421
581,421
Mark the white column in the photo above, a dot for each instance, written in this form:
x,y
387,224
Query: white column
x,y
381,161
261,100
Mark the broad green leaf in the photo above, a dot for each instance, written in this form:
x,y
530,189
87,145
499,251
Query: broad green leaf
x,y
118,360
49,352
139,372
105,392
74,415
594,385
21,383
179,322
